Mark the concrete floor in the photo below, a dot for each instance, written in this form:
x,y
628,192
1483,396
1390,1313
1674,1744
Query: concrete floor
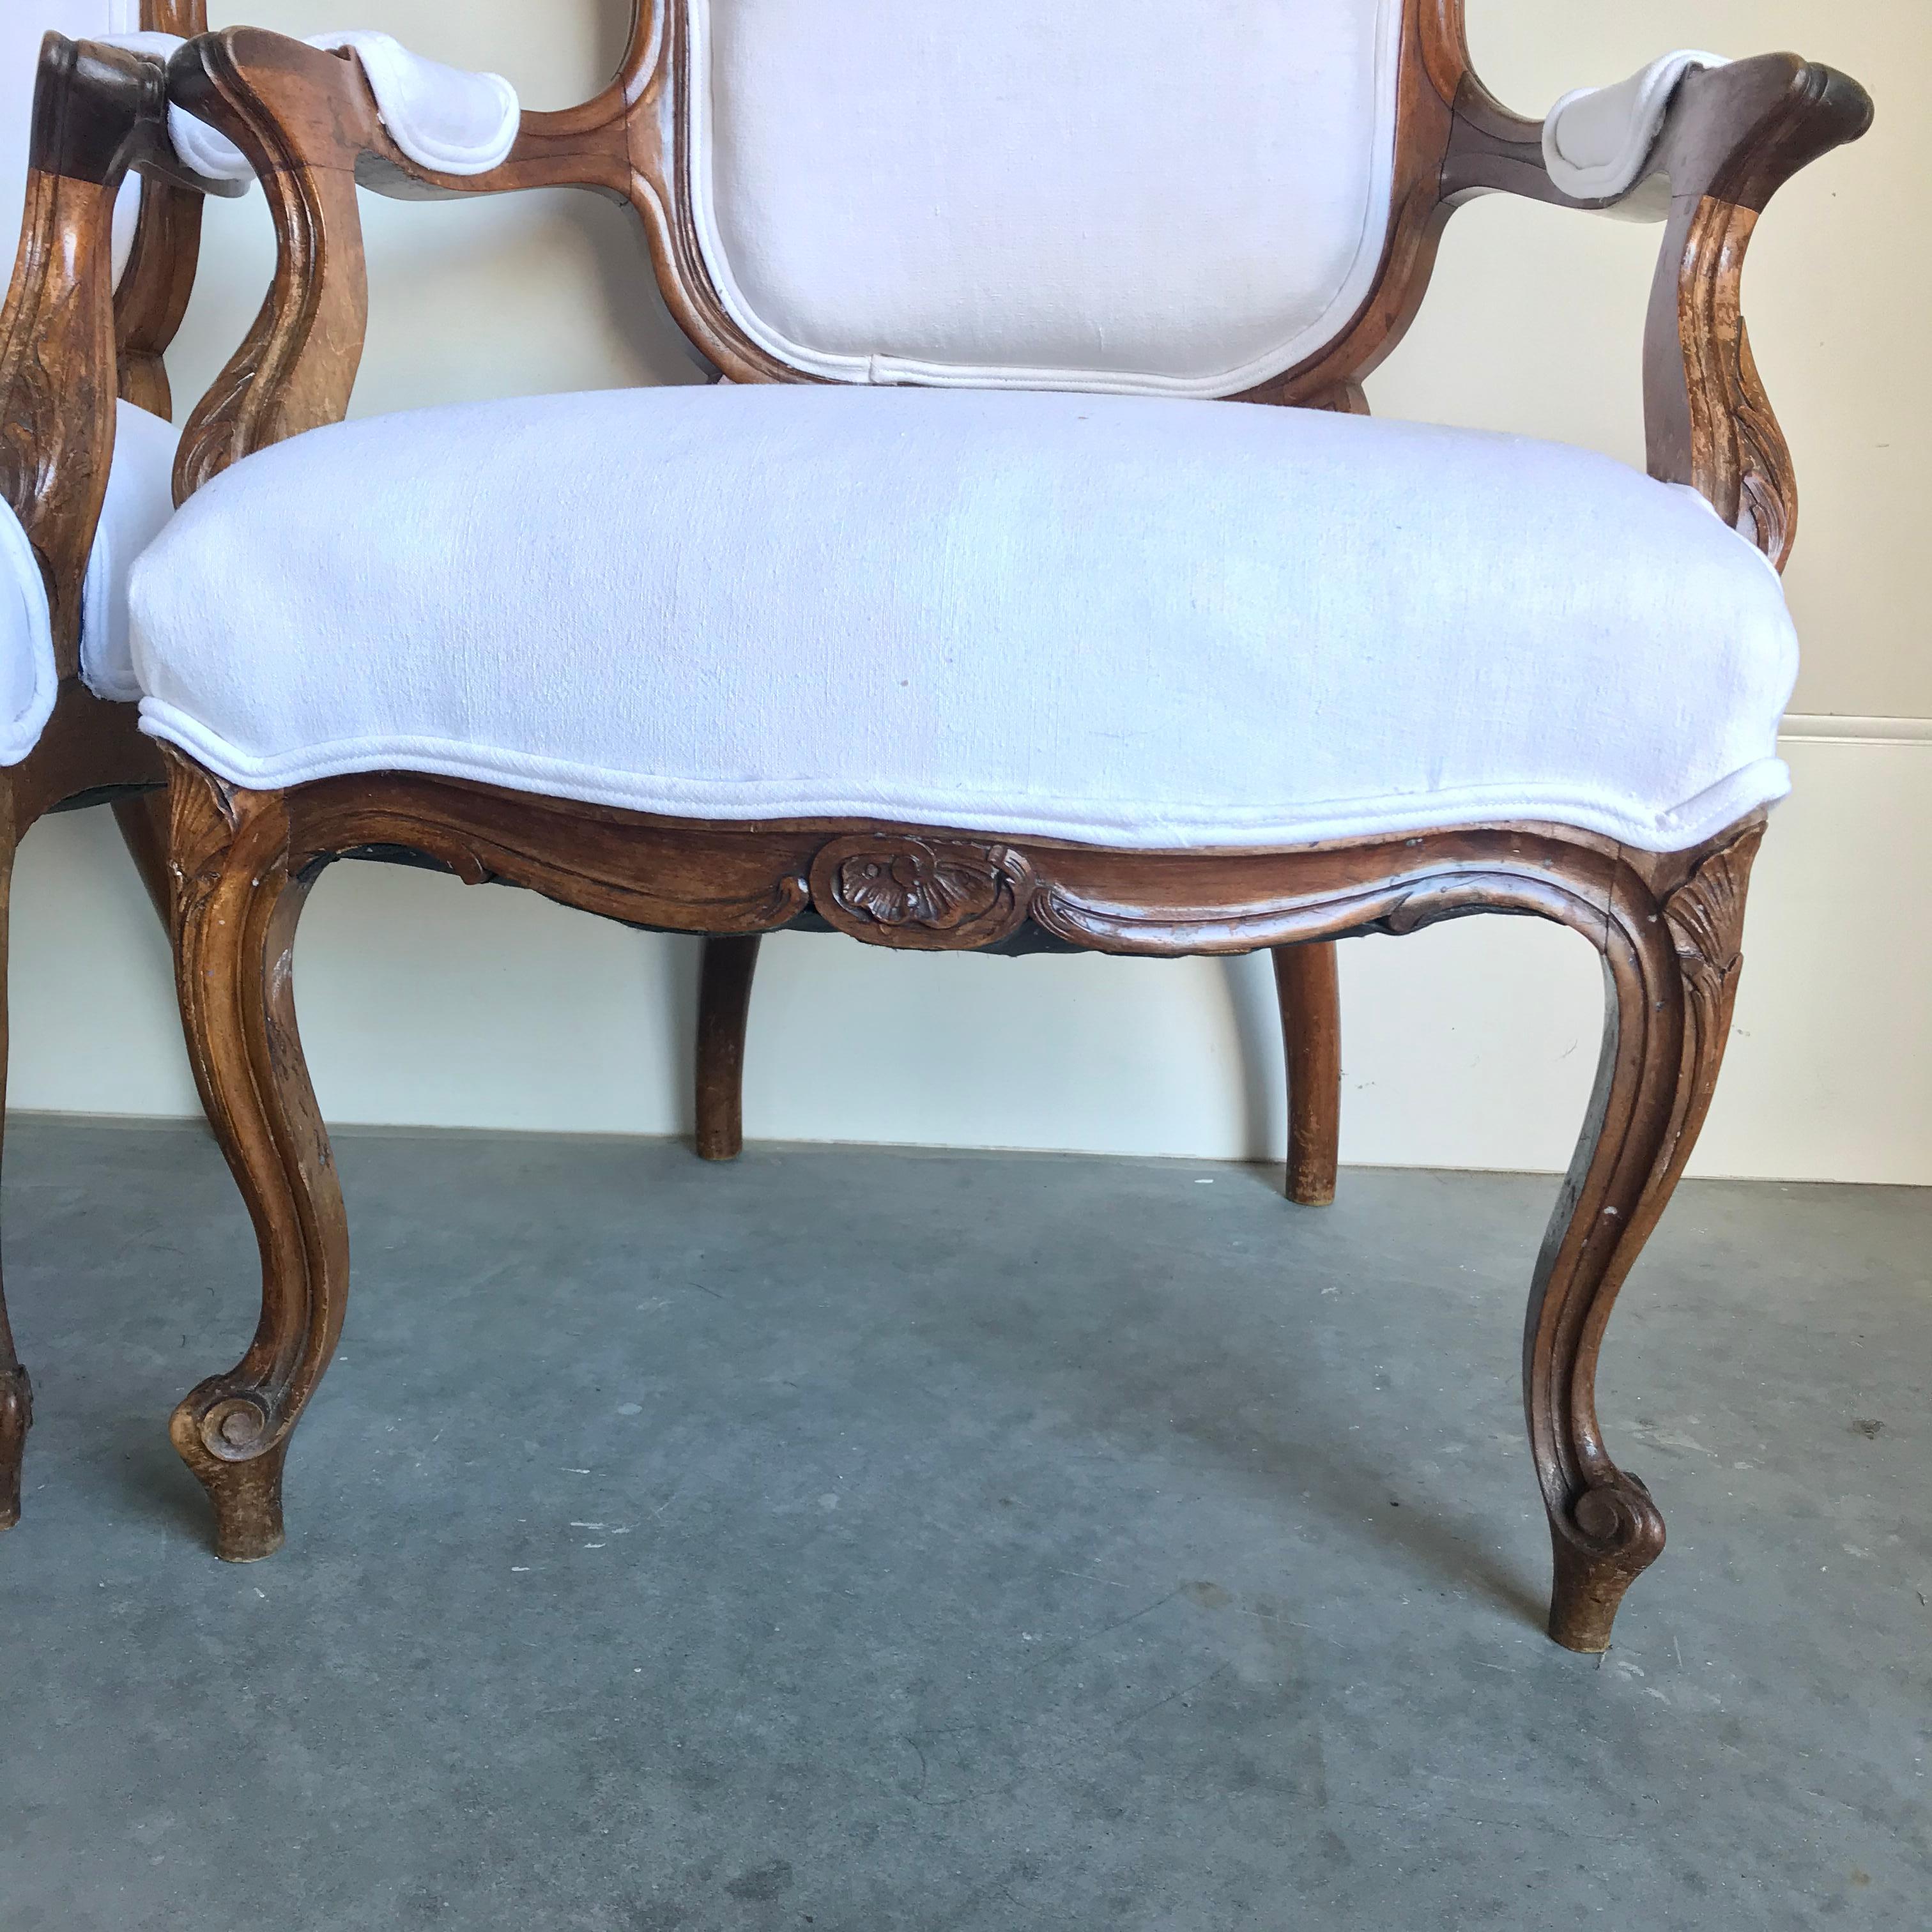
x,y
865,1540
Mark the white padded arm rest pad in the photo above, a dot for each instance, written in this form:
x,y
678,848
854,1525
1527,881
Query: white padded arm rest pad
x,y
444,118
1598,142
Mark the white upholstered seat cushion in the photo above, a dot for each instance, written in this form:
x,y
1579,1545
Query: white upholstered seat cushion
x,y
140,501
1125,620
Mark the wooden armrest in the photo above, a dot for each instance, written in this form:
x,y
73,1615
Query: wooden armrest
x,y
1734,135
309,125
96,112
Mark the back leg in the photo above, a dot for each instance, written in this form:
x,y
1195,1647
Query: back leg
x,y
1307,986
142,817
723,1011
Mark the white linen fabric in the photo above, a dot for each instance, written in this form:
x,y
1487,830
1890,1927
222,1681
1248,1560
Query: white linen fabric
x,y
1598,142
1128,621
140,501
27,681
1106,195
443,118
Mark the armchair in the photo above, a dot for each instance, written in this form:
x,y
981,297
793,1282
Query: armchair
x,y
98,291
978,610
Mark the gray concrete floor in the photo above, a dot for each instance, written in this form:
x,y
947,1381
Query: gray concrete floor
x,y
861,1540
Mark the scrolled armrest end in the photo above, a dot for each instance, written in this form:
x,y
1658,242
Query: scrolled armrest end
x,y
97,111
1735,135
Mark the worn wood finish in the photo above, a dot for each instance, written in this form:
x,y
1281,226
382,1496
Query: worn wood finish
x,y
236,905
96,113
1735,135
159,276
1667,927
724,1012
1307,987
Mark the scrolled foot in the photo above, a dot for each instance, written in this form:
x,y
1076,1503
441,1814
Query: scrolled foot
x,y
1613,1533
227,1440
17,1417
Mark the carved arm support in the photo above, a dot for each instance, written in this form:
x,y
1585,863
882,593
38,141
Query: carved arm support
x,y
1733,137
97,111
309,125
152,295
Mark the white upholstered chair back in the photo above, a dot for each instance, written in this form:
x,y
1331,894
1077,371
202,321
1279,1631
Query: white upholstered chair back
x,y
23,24
1126,195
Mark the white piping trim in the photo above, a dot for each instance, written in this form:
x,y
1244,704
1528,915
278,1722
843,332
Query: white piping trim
x,y
1083,820
1355,289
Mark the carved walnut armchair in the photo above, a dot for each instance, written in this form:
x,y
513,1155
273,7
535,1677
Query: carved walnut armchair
x,y
98,291
996,598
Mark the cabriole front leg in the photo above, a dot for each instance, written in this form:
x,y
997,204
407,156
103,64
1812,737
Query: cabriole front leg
x,y
236,904
1670,972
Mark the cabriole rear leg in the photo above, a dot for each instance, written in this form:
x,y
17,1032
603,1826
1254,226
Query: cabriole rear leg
x,y
724,1012
1308,988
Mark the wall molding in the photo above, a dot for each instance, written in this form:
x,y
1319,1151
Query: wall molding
x,y
1828,730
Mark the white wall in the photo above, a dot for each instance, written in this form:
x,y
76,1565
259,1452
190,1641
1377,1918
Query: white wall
x,y
1470,1045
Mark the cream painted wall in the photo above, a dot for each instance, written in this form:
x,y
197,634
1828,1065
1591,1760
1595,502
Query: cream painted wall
x,y
1470,1045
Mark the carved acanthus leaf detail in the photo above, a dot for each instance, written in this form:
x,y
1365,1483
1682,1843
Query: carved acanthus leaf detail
x,y
1706,916
1768,484
205,816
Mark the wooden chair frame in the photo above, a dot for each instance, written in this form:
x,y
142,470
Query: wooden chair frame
x,y
69,342
1667,926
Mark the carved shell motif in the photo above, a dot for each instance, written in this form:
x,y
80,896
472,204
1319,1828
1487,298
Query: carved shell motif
x,y
922,893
